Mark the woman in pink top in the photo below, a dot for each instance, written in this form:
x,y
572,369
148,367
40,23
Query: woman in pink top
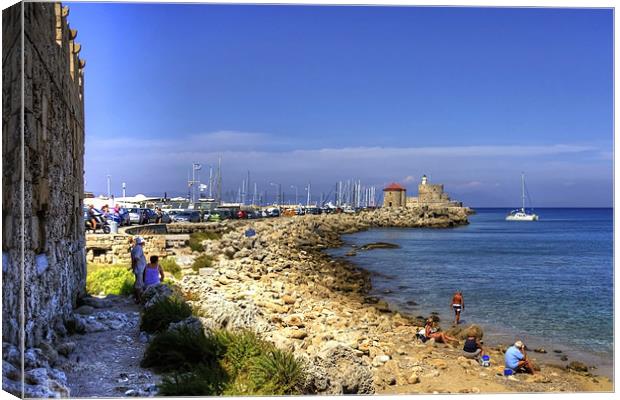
x,y
153,273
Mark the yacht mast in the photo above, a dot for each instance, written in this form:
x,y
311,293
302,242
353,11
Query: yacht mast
x,y
522,192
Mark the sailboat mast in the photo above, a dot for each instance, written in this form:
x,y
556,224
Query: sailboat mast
x,y
522,192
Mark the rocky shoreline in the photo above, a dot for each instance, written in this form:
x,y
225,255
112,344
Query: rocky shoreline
x,y
280,284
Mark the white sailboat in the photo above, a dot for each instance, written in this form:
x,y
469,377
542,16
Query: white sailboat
x,y
521,214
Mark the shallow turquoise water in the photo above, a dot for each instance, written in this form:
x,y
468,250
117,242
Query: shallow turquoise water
x,y
551,280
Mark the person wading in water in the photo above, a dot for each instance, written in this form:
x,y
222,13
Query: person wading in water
x,y
457,305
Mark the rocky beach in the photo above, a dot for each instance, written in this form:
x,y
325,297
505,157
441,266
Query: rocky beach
x,y
281,284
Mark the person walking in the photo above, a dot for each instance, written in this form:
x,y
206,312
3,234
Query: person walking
x,y
138,264
158,215
458,305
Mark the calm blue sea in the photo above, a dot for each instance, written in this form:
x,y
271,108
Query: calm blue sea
x,y
550,281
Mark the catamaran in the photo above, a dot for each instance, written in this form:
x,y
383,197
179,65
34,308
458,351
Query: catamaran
x,y
521,214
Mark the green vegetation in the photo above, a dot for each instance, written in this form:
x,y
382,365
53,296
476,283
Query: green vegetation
x,y
170,309
277,371
113,279
169,264
200,381
196,238
203,261
182,350
222,363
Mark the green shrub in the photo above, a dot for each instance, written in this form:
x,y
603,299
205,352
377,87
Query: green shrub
x,y
241,349
110,280
196,238
170,309
182,349
169,265
203,261
277,372
200,381
221,363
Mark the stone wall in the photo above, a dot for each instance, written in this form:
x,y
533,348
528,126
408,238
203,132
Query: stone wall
x,y
51,183
114,249
432,195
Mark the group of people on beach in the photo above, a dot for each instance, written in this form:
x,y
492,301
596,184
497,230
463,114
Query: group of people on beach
x,y
515,358
146,274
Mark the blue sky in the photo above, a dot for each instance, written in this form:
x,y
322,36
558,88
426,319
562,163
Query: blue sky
x,y
469,96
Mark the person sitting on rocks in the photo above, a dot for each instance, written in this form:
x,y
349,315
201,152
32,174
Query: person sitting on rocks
x,y
472,348
153,273
516,359
440,337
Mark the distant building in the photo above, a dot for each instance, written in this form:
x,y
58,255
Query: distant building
x,y
394,195
431,195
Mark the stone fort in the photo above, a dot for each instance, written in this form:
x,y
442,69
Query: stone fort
x,y
431,195
43,259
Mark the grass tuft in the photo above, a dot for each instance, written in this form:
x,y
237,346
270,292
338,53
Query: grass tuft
x,y
203,261
182,350
170,309
116,279
169,264
196,239
200,381
277,372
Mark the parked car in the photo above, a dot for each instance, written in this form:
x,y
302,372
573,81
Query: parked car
x,y
122,218
165,218
273,212
224,213
313,210
187,216
253,214
137,215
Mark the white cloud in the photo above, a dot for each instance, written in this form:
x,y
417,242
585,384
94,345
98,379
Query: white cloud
x,y
155,165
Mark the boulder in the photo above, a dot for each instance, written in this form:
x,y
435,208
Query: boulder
x,y
294,320
577,366
50,353
379,245
295,333
95,302
9,371
540,350
461,332
84,310
380,360
338,371
155,293
192,323
66,348
413,379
